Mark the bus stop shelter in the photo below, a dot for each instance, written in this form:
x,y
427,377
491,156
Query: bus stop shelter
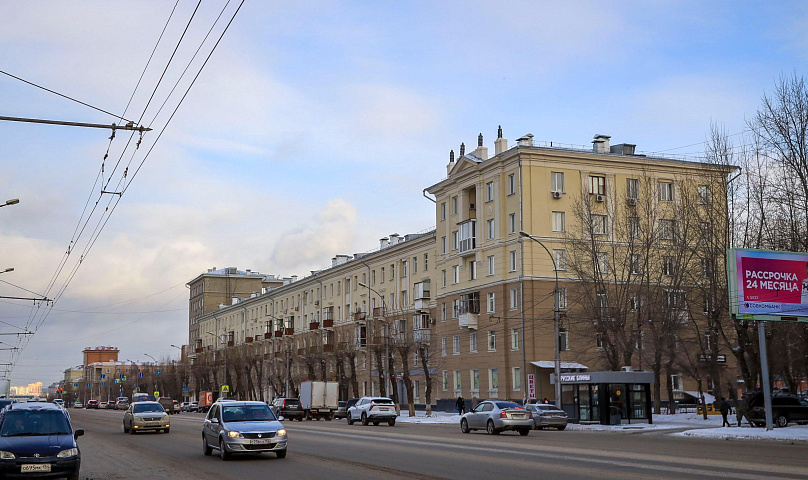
x,y
607,398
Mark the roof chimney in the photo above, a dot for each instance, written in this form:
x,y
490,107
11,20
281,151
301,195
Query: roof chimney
x,y
451,163
384,242
393,239
481,152
525,140
500,144
601,144
462,149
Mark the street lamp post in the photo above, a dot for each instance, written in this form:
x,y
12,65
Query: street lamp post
x,y
184,375
383,368
153,369
555,321
224,354
9,269
13,201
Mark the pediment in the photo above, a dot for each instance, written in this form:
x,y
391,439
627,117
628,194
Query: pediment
x,y
464,163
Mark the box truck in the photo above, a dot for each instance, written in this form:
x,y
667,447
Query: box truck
x,y
319,399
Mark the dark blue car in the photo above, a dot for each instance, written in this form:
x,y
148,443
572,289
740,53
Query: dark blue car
x,y
38,441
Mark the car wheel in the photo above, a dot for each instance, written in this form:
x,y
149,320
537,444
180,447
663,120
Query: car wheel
x,y
281,453
781,421
329,418
349,419
392,422
364,419
491,429
125,430
524,432
539,427
561,427
74,476
300,418
166,430
206,449
132,429
464,426
376,424
223,451
308,416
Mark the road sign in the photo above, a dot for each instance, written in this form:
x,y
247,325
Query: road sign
x,y
225,388
116,380
88,384
158,372
123,377
531,386
140,374
104,384
156,393
103,376
184,389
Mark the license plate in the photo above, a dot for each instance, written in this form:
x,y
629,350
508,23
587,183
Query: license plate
x,y
35,467
324,410
260,441
517,415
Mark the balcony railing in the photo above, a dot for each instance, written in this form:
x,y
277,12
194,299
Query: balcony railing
x,y
314,325
468,320
328,348
467,235
421,336
278,333
378,311
360,316
289,331
328,323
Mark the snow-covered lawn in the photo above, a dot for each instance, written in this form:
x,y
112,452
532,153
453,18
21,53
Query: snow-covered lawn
x,y
698,426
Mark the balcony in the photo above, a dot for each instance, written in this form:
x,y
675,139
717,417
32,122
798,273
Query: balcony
x,y
360,316
421,336
467,237
328,348
289,331
468,320
231,343
278,333
378,311
328,323
268,335
247,339
421,304
314,325
301,351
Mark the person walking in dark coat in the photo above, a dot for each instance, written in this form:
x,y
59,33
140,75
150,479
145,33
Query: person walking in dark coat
x,y
461,405
723,407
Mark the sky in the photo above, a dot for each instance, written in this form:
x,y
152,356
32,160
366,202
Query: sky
x,y
311,131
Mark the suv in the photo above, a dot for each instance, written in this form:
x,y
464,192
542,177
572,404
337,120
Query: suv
x,y
372,409
785,408
242,427
37,439
92,404
288,408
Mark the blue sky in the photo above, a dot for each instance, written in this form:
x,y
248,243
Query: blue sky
x,y
319,124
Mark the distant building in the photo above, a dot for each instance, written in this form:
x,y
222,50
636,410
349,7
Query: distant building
x,y
100,354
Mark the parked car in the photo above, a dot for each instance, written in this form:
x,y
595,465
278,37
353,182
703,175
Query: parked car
x,y
92,404
168,404
372,410
785,409
142,416
184,406
38,440
4,402
121,404
193,407
496,416
57,401
78,405
342,409
109,405
242,427
547,415
103,405
288,408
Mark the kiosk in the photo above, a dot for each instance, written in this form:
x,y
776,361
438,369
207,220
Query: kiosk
x,y
608,398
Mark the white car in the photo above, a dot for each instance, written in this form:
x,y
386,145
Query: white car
x,y
372,410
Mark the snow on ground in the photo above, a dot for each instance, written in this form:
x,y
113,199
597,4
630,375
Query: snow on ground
x,y
696,425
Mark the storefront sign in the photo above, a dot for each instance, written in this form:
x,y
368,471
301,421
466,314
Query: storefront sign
x,y
584,377
531,386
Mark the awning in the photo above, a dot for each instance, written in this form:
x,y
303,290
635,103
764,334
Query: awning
x,y
707,397
564,365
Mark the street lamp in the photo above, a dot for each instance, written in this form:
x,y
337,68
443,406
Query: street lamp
x,y
13,201
185,374
288,373
10,269
224,354
555,321
383,368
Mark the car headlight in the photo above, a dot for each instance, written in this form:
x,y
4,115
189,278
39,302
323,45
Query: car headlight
x,y
233,434
6,455
70,452
281,432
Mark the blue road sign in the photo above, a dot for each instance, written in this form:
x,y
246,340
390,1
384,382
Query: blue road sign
x,y
140,374
103,376
104,383
88,384
158,372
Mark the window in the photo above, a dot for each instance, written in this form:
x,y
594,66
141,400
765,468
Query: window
x,y
472,269
404,268
489,191
455,240
675,301
511,223
557,181
490,265
634,230
414,265
667,229
489,228
493,379
511,184
704,194
373,277
513,260
443,274
456,345
636,264
514,299
443,211
392,272
454,205
475,379
455,308
456,274
514,339
599,224
458,383
562,298
492,341
597,185
599,341
443,312
516,374
668,266
473,342
443,346
633,302
632,188
443,245
491,304
560,257
706,268
563,340
426,262
665,191
559,222
677,382
382,274
445,381
603,262
602,304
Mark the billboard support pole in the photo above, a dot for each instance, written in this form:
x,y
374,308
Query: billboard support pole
x,y
764,371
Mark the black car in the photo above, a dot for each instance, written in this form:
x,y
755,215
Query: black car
x,y
4,402
785,408
288,408
37,440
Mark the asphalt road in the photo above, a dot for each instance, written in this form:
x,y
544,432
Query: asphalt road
x,y
334,450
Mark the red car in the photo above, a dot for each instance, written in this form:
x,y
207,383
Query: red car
x,y
92,404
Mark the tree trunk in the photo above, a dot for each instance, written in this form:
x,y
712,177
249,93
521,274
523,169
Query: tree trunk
x,y
422,352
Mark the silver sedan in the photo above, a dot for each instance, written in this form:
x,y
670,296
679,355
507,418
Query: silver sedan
x,y
547,415
496,416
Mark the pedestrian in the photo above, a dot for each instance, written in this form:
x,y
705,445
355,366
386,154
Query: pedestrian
x,y
461,405
545,401
723,407
740,410
474,402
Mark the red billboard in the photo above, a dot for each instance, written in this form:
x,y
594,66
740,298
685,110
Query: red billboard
x,y
765,283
